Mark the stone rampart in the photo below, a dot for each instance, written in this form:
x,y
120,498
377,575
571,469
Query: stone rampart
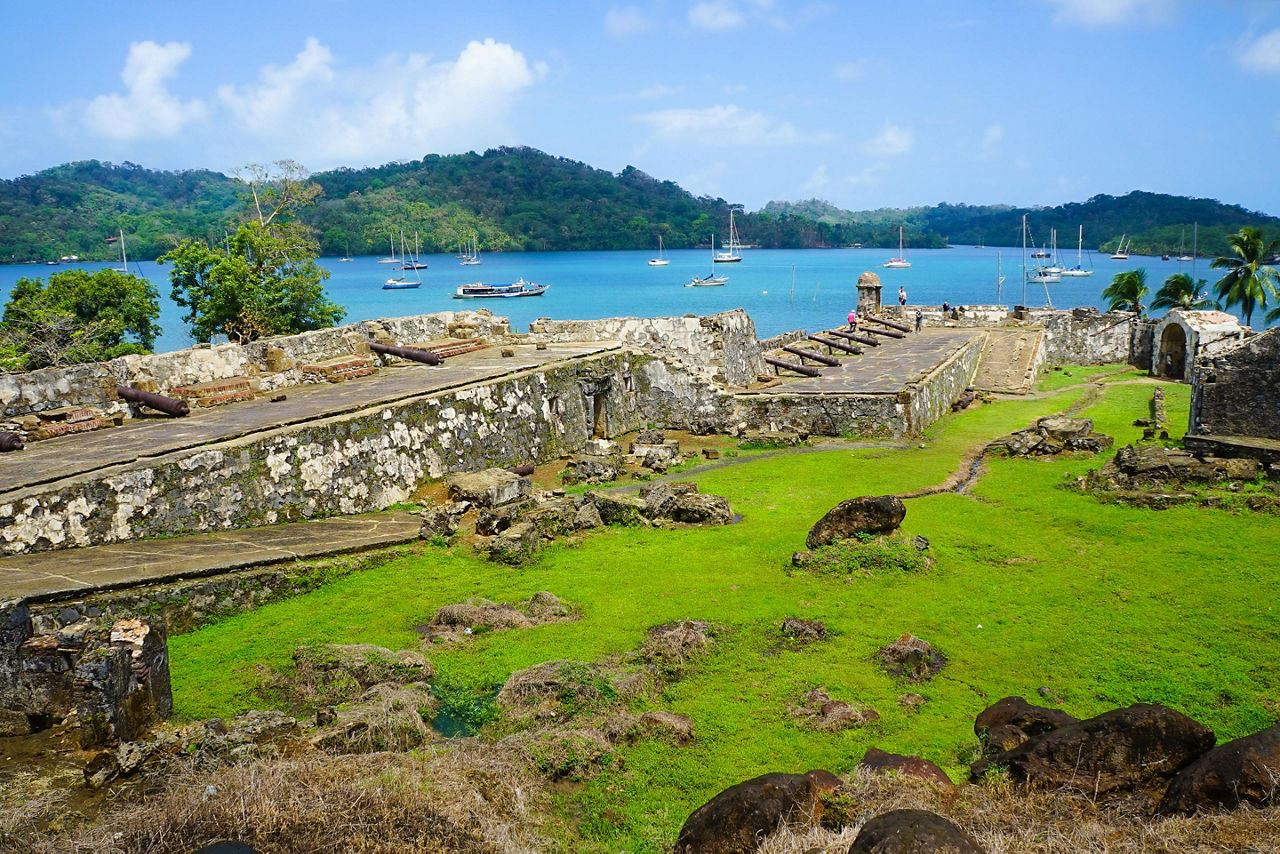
x,y
1235,389
929,398
722,347
1084,336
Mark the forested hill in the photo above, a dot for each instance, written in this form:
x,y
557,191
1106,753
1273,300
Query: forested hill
x,y
524,199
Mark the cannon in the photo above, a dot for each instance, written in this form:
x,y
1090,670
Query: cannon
x,y
853,336
522,470
413,354
802,370
892,324
829,361
837,345
10,442
887,333
167,405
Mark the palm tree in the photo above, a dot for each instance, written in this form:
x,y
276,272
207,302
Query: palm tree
x,y
1126,291
1180,291
1249,281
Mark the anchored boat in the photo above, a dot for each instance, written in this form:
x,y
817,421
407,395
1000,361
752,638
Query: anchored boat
x,y
520,288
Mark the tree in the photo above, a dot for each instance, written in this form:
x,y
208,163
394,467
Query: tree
x,y
1126,291
1180,291
78,317
1249,281
264,280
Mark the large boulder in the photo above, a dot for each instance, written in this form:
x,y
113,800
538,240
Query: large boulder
x,y
1123,749
489,488
1017,712
913,832
868,514
913,766
737,819
516,544
1243,771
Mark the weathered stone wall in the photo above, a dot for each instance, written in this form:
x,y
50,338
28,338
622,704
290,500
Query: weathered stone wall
x,y
52,388
722,346
1236,391
822,415
783,340
1084,336
931,398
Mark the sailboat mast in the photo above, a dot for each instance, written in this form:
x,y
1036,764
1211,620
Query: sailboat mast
x,y
1024,260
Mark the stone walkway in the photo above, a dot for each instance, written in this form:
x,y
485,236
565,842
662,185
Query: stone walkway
x,y
78,454
47,576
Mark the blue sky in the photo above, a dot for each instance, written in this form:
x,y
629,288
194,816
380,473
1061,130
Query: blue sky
x,y
865,104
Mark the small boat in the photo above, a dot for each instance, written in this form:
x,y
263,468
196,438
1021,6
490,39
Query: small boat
x,y
413,263
732,253
901,261
347,257
711,279
124,259
1043,275
661,260
392,259
1078,271
471,255
1122,251
403,282
519,288
1182,247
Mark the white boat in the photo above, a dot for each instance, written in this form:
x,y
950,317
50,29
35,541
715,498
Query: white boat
x,y
661,260
470,257
1182,247
1078,271
519,288
1054,267
392,259
1035,275
413,263
347,257
901,261
124,259
403,282
733,250
1122,251
711,279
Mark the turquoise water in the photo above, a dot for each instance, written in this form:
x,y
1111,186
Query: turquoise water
x,y
587,285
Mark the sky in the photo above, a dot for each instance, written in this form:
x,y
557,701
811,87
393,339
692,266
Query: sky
x,y
863,104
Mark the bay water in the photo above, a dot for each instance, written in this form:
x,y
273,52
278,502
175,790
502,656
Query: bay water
x,y
782,289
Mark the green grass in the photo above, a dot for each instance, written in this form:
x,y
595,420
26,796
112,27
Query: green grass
x,y
1033,585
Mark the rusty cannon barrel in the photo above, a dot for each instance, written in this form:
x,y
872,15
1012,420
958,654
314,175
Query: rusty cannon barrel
x,y
10,442
887,333
413,354
853,336
892,324
837,345
167,405
802,370
829,361
522,470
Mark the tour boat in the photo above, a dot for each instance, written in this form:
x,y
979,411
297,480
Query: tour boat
x,y
901,260
733,250
520,288
661,260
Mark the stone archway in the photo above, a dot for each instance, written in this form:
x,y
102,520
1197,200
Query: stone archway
x,y
1171,360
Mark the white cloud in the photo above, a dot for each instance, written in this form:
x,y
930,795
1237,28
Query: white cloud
x,y
265,106
627,20
716,15
890,142
1101,13
850,72
991,138
818,180
723,124
659,90
1263,54
148,108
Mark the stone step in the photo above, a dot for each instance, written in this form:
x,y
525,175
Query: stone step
x,y
453,346
217,392
339,370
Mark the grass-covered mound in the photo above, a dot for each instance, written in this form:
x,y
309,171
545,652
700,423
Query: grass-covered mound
x,y
1031,585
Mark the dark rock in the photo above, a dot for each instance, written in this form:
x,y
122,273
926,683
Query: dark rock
x,y
1243,771
1000,738
868,514
516,544
734,821
912,658
710,454
804,630
880,761
491,521
650,437
677,728
130,755
14,723
701,510
438,522
818,710
801,559
921,543
1032,720
618,509
1120,750
913,832
101,769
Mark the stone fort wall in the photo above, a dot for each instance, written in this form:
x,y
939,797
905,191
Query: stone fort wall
x,y
1235,390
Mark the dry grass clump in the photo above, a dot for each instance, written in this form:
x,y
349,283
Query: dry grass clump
x,y
1009,819
387,717
328,674
476,616
461,800
563,754
675,644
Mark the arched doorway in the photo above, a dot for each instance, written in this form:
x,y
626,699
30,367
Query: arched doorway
x,y
1171,361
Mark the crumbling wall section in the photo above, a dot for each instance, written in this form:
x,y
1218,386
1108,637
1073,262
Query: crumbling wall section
x,y
1085,336
930,398
1235,390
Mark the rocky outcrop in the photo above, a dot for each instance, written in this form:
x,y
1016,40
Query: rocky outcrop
x,y
913,766
1055,434
1244,771
912,658
1012,720
913,832
489,488
868,514
1124,749
737,819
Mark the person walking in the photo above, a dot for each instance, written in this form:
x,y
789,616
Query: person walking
x,y
853,320
919,320
902,296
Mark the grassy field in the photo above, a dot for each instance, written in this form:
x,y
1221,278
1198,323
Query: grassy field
x,y
1104,605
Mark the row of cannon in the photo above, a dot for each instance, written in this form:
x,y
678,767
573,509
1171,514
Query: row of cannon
x,y
838,339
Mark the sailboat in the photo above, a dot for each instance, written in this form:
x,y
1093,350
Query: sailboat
x,y
710,279
1182,246
471,256
1054,266
661,260
1122,251
733,250
403,281
124,259
392,259
901,260
347,257
1036,275
1078,271
415,263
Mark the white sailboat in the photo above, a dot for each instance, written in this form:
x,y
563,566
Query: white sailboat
x,y
1122,251
471,256
392,259
1036,275
1078,271
124,259
1182,247
711,279
733,250
901,261
347,257
414,263
1054,267
661,260
403,281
